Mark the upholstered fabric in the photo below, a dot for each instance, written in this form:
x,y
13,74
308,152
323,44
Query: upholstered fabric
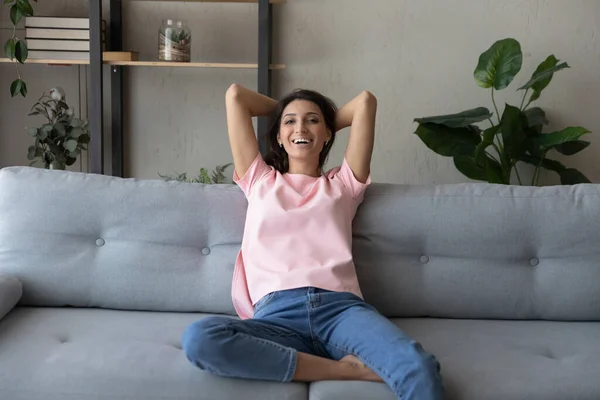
x,y
75,353
10,293
505,279
499,360
87,240
92,354
509,251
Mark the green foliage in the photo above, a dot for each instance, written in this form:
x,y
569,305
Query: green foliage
x,y
59,141
15,48
492,154
218,176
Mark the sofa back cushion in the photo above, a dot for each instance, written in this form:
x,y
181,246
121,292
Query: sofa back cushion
x,y
469,250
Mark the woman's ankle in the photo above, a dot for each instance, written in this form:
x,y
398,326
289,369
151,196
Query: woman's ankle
x,y
311,368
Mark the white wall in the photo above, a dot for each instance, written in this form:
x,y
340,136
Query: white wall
x,y
417,57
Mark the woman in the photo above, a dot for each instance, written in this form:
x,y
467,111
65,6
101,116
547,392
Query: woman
x,y
295,286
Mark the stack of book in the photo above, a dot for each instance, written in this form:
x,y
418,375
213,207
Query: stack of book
x,y
59,38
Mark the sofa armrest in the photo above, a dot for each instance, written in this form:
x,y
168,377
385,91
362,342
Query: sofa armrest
x,y
10,293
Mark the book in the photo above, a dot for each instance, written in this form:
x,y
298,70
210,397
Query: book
x,y
120,56
58,55
49,44
57,33
57,22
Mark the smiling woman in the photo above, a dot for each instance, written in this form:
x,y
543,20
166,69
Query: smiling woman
x,y
302,133
295,283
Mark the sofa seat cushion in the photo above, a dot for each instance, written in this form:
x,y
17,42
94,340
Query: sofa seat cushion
x,y
503,360
93,354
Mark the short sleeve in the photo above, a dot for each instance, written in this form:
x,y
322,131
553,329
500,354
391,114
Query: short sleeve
x,y
346,176
257,170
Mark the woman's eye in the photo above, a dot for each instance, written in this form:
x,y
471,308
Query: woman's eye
x,y
314,121
289,121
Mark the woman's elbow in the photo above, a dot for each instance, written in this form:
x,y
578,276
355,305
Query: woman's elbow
x,y
369,99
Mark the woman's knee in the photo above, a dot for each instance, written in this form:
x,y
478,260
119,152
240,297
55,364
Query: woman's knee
x,y
200,340
424,366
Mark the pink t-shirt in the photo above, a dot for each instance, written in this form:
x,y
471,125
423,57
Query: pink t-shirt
x,y
298,233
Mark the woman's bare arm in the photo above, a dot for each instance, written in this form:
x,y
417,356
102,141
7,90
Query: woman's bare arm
x,y
359,114
242,104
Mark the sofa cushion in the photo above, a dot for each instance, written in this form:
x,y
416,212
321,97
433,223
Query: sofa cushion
x,y
478,250
10,293
86,240
455,251
92,354
499,360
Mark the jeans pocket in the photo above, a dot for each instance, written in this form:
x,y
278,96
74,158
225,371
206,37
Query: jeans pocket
x,y
265,300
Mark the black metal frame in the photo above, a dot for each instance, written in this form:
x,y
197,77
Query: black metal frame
x,y
96,123
97,145
116,89
265,47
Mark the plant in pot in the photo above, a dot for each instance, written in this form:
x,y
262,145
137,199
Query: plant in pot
x,y
59,141
218,176
517,136
14,48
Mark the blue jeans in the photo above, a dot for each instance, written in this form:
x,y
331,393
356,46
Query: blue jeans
x,y
318,322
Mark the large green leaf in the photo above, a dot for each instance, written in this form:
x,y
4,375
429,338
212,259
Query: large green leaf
x,y
76,132
488,139
71,160
25,7
16,14
569,134
552,165
85,138
513,127
490,172
9,48
21,51
459,120
536,116
31,153
70,145
448,141
570,148
571,176
499,65
77,123
60,128
542,76
18,86
568,176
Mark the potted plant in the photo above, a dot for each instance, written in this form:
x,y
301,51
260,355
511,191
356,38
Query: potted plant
x,y
15,48
218,176
517,136
59,141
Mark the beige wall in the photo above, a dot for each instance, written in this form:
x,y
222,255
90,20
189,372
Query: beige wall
x,y
417,57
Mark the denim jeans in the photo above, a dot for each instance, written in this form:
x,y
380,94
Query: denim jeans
x,y
318,322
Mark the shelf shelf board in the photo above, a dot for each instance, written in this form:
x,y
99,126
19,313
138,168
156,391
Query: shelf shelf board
x,y
47,61
149,64
189,64
215,1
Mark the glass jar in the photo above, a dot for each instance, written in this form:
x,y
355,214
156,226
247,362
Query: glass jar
x,y
174,41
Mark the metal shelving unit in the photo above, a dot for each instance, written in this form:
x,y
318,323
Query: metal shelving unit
x,y
97,93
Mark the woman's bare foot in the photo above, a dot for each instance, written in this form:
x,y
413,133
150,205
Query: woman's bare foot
x,y
364,372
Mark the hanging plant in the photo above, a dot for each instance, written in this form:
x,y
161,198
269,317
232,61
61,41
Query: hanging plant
x,y
14,48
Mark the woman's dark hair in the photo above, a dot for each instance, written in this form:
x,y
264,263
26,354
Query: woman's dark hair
x,y
276,155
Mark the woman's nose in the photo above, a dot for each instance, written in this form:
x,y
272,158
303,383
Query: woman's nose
x,y
300,127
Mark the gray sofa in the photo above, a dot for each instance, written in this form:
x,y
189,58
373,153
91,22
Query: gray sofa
x,y
101,275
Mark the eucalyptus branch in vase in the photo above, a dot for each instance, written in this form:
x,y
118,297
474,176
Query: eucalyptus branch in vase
x,y
15,48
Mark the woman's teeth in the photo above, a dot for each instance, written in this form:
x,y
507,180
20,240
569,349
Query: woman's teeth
x,y
301,141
